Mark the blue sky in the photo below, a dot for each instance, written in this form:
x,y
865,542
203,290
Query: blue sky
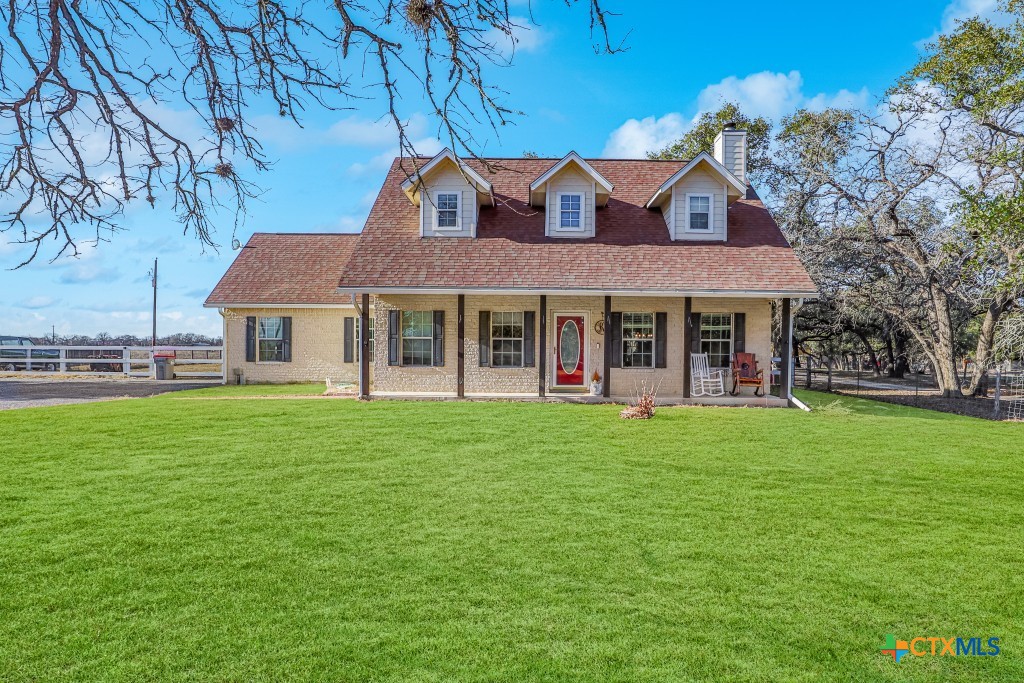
x,y
683,58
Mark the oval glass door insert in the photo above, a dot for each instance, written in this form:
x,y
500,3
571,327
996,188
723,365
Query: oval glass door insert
x,y
569,347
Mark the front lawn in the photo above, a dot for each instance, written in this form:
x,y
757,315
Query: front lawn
x,y
171,539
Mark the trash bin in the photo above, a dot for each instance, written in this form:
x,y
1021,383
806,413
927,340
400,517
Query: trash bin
x,y
164,367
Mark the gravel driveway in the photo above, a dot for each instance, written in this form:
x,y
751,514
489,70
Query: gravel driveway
x,y
32,393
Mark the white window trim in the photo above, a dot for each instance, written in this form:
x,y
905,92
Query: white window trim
x,y
583,211
522,342
654,341
711,212
458,209
732,340
259,361
402,338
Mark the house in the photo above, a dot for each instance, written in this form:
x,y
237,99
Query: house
x,y
522,277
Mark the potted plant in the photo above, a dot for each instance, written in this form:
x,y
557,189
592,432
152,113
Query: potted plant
x,y
595,384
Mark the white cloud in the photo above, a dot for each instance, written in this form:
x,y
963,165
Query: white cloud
x,y
38,302
636,137
958,10
769,94
773,95
525,37
84,273
351,131
379,163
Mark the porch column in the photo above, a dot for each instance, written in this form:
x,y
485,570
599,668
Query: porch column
x,y
687,343
542,363
607,385
364,348
461,355
786,351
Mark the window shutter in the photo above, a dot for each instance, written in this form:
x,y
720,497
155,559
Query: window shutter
x,y
529,357
739,332
350,334
485,339
613,333
393,332
660,340
250,339
286,327
695,333
438,338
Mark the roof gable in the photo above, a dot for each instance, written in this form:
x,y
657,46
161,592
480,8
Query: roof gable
x,y
537,185
702,158
411,184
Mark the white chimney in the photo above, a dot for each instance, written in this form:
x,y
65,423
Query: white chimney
x,y
731,150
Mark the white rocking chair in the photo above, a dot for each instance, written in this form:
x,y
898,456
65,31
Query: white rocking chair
x,y
704,381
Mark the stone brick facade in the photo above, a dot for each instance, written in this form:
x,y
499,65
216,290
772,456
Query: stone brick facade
x,y
317,346
388,379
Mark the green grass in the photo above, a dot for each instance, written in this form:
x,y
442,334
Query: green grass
x,y
162,539
252,390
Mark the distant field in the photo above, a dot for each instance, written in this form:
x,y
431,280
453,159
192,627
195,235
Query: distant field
x,y
265,540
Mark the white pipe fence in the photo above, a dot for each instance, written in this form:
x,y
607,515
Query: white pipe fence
x,y
125,361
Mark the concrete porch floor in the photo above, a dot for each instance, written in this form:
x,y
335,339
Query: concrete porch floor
x,y
741,401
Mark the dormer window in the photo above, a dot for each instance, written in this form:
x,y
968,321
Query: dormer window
x,y
447,204
569,212
698,216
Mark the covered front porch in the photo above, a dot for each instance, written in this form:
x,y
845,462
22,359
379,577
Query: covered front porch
x,y
498,346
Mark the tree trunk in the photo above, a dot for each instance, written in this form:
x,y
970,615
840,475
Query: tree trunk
x,y
1001,303
945,343
896,350
871,352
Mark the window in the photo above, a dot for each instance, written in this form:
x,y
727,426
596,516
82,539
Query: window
x,y
417,337
716,338
447,209
507,339
569,211
699,212
369,344
638,340
271,339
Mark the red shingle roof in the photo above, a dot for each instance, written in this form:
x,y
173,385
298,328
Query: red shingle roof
x,y
286,268
631,249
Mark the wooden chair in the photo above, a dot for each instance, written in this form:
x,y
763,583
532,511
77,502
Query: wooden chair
x,y
745,373
704,381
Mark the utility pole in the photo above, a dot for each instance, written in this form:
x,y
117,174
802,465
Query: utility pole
x,y
154,301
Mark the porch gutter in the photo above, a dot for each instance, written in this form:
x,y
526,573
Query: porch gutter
x,y
536,291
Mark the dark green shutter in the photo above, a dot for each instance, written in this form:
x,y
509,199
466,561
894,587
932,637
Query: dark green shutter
x,y
695,333
393,332
484,339
529,357
286,327
438,339
250,339
660,340
739,332
613,333
350,339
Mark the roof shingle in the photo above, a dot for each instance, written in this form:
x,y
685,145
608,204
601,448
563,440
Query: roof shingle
x,y
631,249
286,268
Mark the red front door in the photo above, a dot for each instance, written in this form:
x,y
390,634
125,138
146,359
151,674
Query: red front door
x,y
569,350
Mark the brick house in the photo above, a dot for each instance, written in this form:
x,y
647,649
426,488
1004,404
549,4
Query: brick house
x,y
523,277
